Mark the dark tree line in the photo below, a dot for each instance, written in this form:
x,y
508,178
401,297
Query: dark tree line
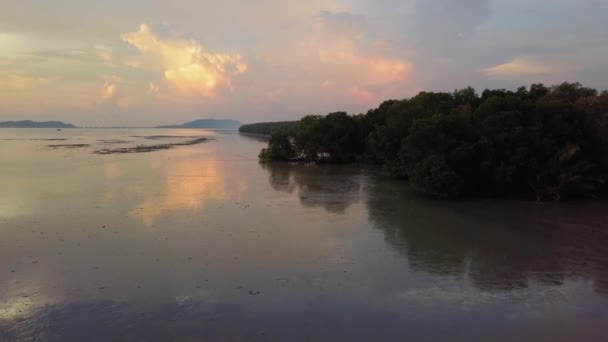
x,y
543,142
267,128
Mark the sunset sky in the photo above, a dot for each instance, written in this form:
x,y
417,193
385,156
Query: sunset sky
x,y
156,62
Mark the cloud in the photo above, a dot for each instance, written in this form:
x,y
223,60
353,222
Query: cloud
x,y
333,63
341,23
362,68
110,95
280,59
518,66
185,63
77,55
108,92
447,21
153,88
366,69
19,82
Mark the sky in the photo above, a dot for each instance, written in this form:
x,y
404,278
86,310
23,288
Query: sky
x,y
152,62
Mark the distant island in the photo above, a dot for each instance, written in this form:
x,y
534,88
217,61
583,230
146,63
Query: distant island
x,y
208,124
35,124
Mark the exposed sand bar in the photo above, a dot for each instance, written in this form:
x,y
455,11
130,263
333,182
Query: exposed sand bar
x,y
150,148
69,146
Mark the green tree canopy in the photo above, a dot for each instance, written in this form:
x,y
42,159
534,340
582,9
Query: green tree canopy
x,y
541,142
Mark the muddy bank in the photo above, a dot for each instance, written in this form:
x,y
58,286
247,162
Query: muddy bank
x,y
50,139
69,146
150,148
158,137
115,141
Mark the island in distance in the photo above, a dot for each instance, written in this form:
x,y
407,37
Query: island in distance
x,y
208,124
35,124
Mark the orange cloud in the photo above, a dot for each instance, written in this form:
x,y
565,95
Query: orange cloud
x,y
370,70
108,91
365,77
110,94
517,66
185,63
21,82
153,88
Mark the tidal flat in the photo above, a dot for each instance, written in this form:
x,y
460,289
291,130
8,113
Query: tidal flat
x,y
203,241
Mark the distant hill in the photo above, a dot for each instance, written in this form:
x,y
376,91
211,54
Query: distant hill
x,y
35,124
209,124
267,128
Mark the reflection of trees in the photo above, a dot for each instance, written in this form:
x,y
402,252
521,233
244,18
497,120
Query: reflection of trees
x,y
500,245
331,187
254,137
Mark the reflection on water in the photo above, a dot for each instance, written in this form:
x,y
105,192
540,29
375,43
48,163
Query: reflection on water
x,y
331,187
500,245
186,187
171,244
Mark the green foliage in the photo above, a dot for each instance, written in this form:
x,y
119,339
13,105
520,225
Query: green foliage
x,y
542,142
335,137
280,148
267,128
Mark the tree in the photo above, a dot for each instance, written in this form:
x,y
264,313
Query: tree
x,y
541,142
280,148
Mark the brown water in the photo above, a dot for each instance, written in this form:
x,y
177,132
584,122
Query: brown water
x,y
202,242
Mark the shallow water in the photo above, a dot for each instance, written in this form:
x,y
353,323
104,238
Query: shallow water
x,y
203,242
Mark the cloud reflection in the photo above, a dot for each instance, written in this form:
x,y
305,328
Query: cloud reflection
x,y
189,185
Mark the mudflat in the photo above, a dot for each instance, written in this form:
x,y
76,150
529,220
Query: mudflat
x,y
203,240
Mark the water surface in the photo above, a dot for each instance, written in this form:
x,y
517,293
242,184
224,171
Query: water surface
x,y
203,242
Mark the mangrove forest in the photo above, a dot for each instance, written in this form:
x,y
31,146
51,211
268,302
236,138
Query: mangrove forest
x,y
539,142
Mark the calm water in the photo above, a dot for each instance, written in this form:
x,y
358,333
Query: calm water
x,y
204,243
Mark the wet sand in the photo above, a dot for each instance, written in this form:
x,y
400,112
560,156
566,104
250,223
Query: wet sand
x,y
204,242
